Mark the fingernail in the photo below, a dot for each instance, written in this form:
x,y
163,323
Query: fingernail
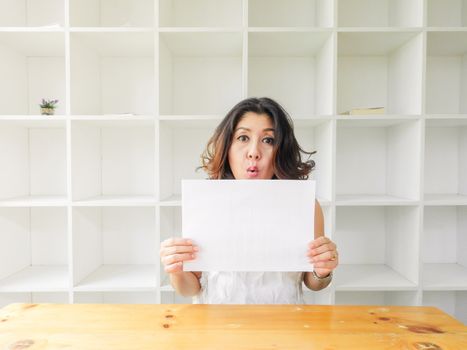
x,y
189,241
195,249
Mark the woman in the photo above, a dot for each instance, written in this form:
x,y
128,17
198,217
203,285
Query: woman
x,y
254,141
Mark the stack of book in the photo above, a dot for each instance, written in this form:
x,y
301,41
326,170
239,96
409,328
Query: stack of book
x,y
365,111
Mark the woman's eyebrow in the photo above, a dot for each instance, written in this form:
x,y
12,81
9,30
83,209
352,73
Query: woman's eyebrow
x,y
242,127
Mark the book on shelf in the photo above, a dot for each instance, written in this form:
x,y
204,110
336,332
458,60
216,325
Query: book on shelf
x,y
365,111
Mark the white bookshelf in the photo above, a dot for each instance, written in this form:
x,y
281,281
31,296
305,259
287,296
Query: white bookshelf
x,y
447,13
108,13
113,249
278,60
380,13
30,13
291,13
87,195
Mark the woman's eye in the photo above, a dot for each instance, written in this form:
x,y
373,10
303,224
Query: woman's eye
x,y
242,138
269,140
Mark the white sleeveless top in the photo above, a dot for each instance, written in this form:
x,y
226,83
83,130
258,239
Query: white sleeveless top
x,y
250,288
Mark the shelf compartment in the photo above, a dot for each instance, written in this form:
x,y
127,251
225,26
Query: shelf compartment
x,y
113,249
317,135
370,277
451,302
170,226
378,161
31,13
446,161
181,144
200,13
34,163
389,264
380,13
113,162
112,73
444,244
390,298
446,73
170,297
33,250
114,298
322,297
110,13
32,67
368,199
35,201
39,297
200,73
290,13
120,277
380,69
303,59
37,279
446,13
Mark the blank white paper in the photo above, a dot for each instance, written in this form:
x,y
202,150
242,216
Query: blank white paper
x,y
249,225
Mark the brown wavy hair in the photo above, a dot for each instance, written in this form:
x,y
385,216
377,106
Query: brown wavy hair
x,y
287,158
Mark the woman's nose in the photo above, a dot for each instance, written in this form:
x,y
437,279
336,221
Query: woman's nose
x,y
253,152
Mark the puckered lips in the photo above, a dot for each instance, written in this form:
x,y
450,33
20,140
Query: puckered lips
x,y
252,171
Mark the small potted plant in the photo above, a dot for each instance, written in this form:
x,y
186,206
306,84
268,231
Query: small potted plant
x,y
48,107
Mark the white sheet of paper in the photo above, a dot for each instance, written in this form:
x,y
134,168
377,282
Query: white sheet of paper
x,y
249,225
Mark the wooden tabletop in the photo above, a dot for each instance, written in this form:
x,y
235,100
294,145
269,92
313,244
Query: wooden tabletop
x,y
223,327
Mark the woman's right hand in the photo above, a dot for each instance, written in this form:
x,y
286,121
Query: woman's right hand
x,y
174,251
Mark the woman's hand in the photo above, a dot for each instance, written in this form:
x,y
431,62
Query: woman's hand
x,y
174,251
322,253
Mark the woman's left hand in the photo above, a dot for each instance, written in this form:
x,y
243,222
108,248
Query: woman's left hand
x,y
322,253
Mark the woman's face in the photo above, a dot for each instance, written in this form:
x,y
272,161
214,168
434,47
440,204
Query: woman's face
x,y
251,152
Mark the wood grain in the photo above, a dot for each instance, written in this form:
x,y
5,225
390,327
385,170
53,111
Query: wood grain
x,y
105,326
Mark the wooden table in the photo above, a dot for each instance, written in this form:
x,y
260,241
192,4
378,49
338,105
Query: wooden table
x,y
223,327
